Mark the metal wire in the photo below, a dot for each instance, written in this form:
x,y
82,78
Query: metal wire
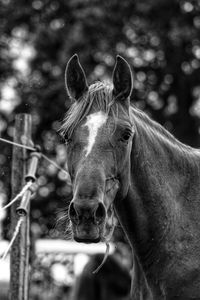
x,y
54,163
17,144
34,149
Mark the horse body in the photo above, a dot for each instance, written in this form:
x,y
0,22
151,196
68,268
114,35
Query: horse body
x,y
119,157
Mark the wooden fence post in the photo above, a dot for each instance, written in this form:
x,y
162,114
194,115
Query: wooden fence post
x,y
19,257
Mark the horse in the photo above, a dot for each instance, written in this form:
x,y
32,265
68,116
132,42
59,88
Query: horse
x,y
111,282
120,160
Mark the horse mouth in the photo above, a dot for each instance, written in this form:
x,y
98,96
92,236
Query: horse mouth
x,y
87,240
87,234
94,234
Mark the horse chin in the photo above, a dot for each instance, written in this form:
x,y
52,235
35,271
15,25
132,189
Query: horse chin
x,y
94,235
87,240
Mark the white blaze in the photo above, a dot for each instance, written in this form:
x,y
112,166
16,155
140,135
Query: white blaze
x,y
94,122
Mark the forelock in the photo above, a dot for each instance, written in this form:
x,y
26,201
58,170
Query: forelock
x,y
98,97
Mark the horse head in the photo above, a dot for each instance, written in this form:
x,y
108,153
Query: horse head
x,y
98,133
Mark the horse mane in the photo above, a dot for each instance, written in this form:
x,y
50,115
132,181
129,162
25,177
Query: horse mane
x,y
157,131
99,96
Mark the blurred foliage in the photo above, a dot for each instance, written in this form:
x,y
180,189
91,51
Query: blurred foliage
x,y
61,276
159,38
44,282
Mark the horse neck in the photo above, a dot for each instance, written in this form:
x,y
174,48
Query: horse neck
x,y
157,153
163,172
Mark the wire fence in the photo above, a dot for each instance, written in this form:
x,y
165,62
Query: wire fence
x,y
25,188
35,150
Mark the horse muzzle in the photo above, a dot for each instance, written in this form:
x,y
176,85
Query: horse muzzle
x,y
90,211
88,218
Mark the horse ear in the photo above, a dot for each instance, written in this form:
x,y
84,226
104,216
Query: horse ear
x,y
122,79
75,79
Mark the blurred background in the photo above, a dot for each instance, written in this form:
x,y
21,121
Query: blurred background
x,y
161,41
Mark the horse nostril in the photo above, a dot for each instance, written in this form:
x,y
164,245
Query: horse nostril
x,y
100,213
73,215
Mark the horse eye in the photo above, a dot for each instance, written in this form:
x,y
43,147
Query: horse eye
x,y
126,135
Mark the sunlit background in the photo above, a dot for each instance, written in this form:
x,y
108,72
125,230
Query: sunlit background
x,y
161,41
